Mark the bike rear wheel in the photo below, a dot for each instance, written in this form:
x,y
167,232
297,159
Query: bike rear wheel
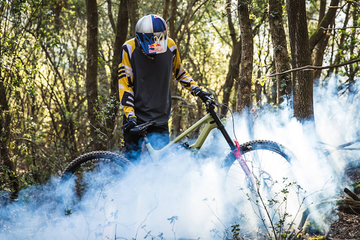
x,y
269,200
87,175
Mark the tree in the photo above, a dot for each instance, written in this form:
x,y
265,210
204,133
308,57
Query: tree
x,y
325,22
5,120
92,67
244,89
321,45
300,56
179,21
281,56
233,72
121,30
133,15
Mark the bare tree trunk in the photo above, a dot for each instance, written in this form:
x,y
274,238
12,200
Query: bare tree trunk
x,y
176,113
321,46
120,38
133,15
300,53
325,22
233,73
92,67
166,9
172,18
247,46
281,56
319,55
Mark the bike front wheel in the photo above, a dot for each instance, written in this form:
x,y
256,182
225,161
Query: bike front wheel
x,y
88,175
269,197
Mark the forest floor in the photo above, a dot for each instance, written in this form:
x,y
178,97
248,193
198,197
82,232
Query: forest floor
x,y
347,223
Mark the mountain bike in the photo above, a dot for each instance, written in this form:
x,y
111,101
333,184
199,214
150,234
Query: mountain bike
x,y
248,165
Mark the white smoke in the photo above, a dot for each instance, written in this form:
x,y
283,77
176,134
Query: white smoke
x,y
183,197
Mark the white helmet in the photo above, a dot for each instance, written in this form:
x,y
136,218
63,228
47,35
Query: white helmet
x,y
152,34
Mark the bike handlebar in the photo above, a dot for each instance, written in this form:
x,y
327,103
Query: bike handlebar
x,y
210,102
138,129
141,129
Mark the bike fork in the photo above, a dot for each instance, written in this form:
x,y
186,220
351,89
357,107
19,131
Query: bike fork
x,y
243,165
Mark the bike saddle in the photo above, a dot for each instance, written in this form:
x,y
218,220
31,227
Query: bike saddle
x,y
138,129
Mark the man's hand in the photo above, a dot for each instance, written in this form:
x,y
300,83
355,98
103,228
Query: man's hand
x,y
129,125
204,96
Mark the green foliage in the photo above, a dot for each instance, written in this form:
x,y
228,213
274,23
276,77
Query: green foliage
x,y
235,230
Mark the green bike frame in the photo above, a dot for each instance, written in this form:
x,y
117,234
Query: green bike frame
x,y
209,125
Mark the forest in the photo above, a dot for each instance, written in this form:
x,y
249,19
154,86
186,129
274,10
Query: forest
x,y
59,61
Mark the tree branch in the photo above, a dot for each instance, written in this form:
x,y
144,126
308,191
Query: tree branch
x,y
309,67
329,17
342,28
190,105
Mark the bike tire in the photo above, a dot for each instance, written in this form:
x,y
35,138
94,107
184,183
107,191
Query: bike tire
x,y
96,156
80,174
261,145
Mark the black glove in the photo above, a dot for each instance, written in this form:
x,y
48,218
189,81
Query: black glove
x,y
129,125
204,96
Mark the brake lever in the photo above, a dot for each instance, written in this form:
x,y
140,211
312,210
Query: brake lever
x,y
210,102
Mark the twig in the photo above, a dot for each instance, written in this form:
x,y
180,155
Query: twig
x,y
137,231
213,212
341,28
351,194
309,67
188,104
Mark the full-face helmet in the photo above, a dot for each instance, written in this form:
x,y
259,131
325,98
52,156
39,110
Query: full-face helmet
x,y
151,33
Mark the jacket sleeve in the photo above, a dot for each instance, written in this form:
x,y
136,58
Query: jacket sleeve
x,y
180,73
125,77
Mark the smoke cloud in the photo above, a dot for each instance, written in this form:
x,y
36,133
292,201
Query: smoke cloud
x,y
183,197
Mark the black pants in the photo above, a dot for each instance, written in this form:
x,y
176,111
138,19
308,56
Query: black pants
x,y
158,136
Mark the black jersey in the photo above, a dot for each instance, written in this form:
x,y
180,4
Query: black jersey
x,y
144,81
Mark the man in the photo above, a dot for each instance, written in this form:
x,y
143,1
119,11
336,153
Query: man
x,y
146,66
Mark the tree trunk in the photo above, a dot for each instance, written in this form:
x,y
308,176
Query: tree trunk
x,y
300,53
176,113
133,16
233,73
244,89
166,9
281,56
325,22
5,119
321,46
172,18
319,55
120,38
92,68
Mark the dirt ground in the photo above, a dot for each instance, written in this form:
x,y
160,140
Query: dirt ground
x,y
347,226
